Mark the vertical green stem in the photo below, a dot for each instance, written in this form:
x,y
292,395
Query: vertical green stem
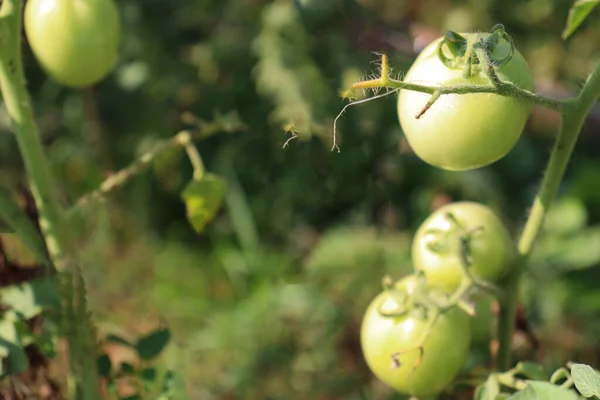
x,y
78,326
573,116
18,104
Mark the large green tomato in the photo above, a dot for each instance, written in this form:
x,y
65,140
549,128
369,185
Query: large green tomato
x,y
439,252
445,347
75,41
463,131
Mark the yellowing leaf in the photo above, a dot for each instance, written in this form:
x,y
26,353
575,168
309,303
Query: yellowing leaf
x,y
203,199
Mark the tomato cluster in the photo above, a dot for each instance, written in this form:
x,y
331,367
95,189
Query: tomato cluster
x,y
416,333
75,41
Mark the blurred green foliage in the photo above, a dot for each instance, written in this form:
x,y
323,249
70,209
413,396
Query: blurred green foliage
x,y
266,303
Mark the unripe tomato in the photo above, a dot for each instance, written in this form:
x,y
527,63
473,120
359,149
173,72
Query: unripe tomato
x,y
444,350
438,251
463,131
75,41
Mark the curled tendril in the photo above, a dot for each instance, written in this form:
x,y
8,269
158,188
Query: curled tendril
x,y
456,44
498,32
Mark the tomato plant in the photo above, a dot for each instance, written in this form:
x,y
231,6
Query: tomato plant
x,y
462,235
464,131
410,352
75,41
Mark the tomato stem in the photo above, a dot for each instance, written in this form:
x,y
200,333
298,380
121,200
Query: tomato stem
x,y
18,105
501,88
574,113
75,322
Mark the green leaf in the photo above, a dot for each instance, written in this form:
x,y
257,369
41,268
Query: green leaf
x,y
29,299
578,13
18,222
152,344
11,348
148,375
126,369
559,375
132,397
203,199
489,390
531,371
174,387
586,380
538,390
104,365
112,338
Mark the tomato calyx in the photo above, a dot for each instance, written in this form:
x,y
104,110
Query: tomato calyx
x,y
416,300
457,239
476,53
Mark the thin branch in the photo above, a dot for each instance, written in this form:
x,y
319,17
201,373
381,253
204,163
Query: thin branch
x,y
120,178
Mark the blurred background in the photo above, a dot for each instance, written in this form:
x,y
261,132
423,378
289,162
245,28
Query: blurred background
x,y
267,302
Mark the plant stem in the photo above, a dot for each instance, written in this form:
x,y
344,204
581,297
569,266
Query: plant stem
x,y
194,156
121,177
18,104
77,326
574,114
498,87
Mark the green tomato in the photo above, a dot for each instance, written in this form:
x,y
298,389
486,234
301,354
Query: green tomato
x,y
75,41
439,252
463,131
390,345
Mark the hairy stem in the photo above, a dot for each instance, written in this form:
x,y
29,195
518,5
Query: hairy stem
x,y
77,326
18,104
498,87
574,114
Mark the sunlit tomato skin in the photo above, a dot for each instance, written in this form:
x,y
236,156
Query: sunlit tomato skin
x,y
436,248
463,131
444,350
75,41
